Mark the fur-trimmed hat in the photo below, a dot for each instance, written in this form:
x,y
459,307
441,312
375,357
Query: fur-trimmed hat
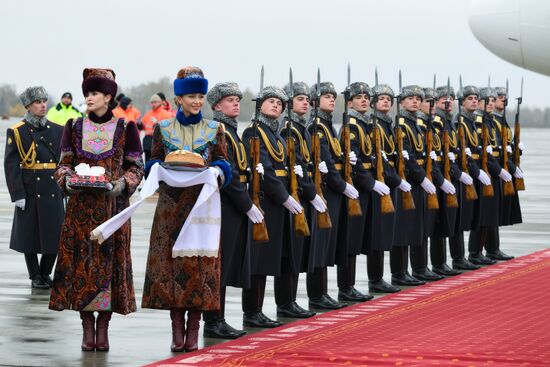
x,y
383,89
487,92
270,92
501,91
189,80
468,91
155,98
298,88
325,88
222,90
441,91
429,93
32,94
99,80
359,88
412,90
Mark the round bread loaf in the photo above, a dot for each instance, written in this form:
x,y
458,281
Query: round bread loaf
x,y
184,158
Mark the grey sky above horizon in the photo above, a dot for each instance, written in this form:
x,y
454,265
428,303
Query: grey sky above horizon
x,y
51,42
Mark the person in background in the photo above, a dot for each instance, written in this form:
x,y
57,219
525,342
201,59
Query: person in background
x,y
63,111
166,104
30,159
126,110
148,122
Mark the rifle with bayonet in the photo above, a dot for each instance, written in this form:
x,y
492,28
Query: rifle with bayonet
x,y
354,206
471,193
259,230
432,198
518,182
487,190
323,219
407,198
300,222
386,203
508,186
451,200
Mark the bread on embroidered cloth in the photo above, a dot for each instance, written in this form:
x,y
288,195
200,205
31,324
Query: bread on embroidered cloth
x,y
89,177
184,158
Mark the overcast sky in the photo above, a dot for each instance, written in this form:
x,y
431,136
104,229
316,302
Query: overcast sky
x,y
50,42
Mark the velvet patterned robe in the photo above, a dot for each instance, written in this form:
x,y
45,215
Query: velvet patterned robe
x,y
90,276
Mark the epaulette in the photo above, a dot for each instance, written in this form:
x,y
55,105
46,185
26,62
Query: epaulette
x,y
420,122
437,119
402,121
479,119
18,125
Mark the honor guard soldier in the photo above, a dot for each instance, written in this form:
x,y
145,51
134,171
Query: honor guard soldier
x,y
30,160
334,188
366,184
271,257
237,209
510,207
380,219
410,223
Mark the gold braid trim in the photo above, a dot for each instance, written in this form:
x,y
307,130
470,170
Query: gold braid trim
x,y
28,158
417,141
471,137
333,142
303,145
277,155
366,144
384,139
238,148
436,141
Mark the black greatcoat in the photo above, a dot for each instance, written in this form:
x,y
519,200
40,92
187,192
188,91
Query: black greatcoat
x,y
333,188
510,207
446,217
466,207
487,209
414,220
235,250
363,180
267,257
37,228
303,248
381,226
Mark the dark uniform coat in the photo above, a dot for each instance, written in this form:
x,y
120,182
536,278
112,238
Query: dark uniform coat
x,y
235,250
267,257
30,161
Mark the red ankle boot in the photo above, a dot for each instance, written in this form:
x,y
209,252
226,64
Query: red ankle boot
x,y
192,332
178,328
88,331
102,331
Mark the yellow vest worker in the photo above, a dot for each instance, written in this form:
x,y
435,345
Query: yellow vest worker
x,y
63,111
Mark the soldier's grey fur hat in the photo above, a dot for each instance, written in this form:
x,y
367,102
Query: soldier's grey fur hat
x,y
222,90
271,91
429,93
487,92
501,91
326,88
381,89
359,88
441,91
32,94
298,88
412,90
469,90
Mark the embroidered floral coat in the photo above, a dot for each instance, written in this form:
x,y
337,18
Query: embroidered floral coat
x,y
90,276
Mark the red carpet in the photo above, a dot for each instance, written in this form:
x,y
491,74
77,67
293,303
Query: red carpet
x,y
496,316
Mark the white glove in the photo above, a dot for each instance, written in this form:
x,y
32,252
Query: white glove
x,y
20,204
509,149
405,154
255,215
451,156
521,146
352,158
298,170
381,188
484,178
433,155
466,179
447,187
404,186
323,167
468,152
518,173
489,149
351,192
428,186
260,169
384,155
292,205
505,175
319,204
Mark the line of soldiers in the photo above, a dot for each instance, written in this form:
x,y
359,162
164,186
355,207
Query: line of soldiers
x,y
317,198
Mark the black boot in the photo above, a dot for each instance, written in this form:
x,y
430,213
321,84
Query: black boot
x,y
499,255
353,295
427,275
445,270
405,279
381,286
463,264
259,320
220,329
47,262
293,310
34,272
480,259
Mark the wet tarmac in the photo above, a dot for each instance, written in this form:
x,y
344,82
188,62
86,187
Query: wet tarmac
x,y
32,335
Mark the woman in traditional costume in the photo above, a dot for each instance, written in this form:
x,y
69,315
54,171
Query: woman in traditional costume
x,y
190,282
89,276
